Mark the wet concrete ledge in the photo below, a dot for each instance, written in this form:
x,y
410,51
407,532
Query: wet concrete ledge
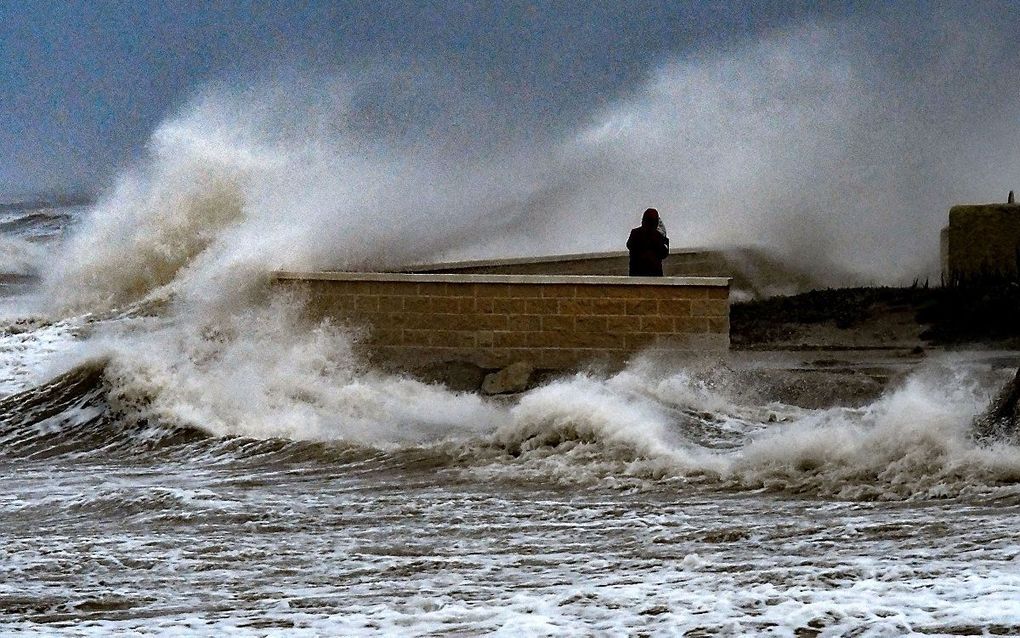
x,y
417,277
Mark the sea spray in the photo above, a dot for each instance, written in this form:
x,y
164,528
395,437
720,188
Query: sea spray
x,y
377,168
20,256
259,373
299,176
911,443
238,185
142,234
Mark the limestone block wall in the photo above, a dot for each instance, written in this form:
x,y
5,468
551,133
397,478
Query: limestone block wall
x,y
494,320
982,242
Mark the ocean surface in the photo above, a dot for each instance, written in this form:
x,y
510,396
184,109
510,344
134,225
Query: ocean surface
x,y
181,455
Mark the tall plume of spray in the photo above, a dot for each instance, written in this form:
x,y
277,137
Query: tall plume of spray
x,y
838,145
823,143
324,172
806,142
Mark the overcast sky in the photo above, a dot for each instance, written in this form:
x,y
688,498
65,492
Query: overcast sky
x,y
830,132
84,83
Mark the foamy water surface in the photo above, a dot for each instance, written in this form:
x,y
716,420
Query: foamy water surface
x,y
182,454
649,501
356,548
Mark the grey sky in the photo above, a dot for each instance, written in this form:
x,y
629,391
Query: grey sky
x,y
84,83
367,134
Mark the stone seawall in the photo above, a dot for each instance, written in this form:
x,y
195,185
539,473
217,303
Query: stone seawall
x,y
494,320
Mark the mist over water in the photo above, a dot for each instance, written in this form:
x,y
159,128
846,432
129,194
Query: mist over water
x,y
168,421
820,143
804,142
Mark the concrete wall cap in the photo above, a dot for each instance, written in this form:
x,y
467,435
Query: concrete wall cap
x,y
611,280
982,210
516,261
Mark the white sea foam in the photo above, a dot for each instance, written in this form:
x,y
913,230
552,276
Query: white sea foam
x,y
29,350
258,373
373,169
914,442
284,175
421,556
20,256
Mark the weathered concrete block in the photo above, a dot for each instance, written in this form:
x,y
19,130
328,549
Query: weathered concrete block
x,y
555,323
575,306
623,324
675,307
709,308
656,323
590,323
981,243
643,307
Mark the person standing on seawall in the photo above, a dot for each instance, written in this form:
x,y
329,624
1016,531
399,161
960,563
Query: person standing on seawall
x,y
648,246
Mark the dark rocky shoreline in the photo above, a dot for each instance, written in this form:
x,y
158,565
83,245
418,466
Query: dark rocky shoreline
x,y
881,318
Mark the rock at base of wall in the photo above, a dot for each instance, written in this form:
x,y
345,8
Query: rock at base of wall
x,y
513,378
1001,422
458,376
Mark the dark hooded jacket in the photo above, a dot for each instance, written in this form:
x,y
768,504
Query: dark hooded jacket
x,y
647,246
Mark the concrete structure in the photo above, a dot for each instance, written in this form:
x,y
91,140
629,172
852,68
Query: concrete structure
x,y
981,244
552,321
683,263
752,271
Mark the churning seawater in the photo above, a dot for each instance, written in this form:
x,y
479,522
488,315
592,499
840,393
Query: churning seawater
x,y
622,505
181,455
